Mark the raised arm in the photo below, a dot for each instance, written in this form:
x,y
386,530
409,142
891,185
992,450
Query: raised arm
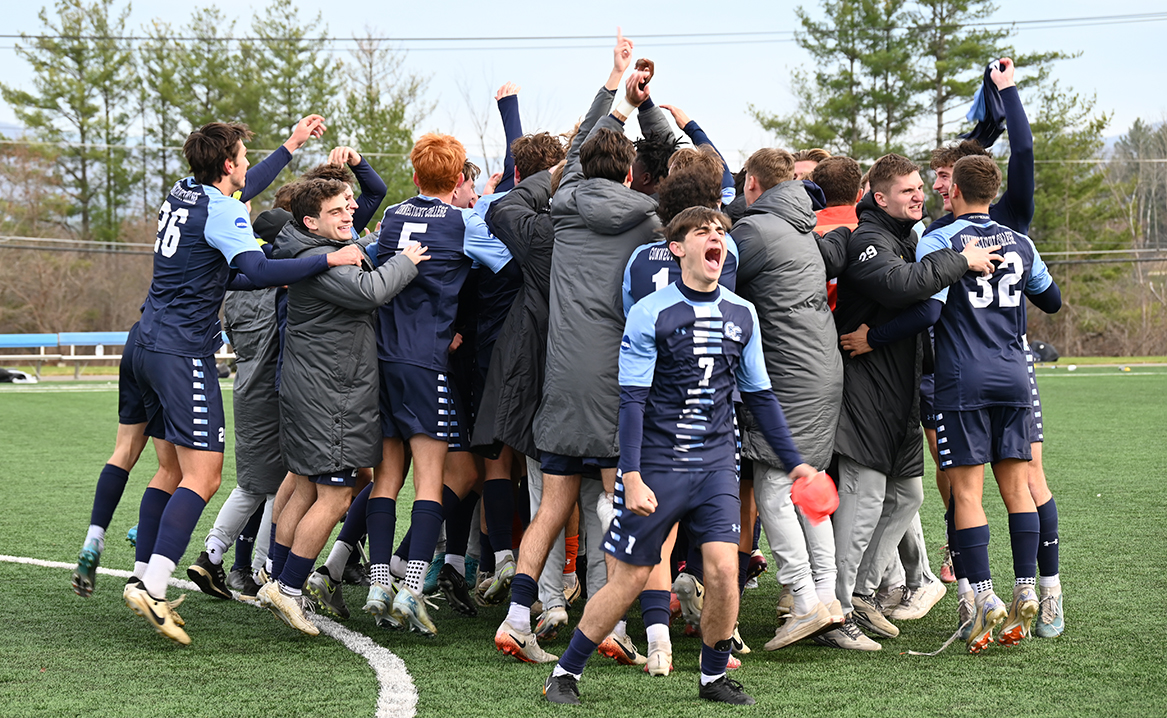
x,y
260,176
1016,204
373,188
698,137
507,98
621,57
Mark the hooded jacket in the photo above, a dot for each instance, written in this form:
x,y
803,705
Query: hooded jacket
x,y
514,382
598,223
780,270
879,425
329,420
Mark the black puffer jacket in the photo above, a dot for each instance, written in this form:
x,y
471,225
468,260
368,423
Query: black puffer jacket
x,y
879,426
514,383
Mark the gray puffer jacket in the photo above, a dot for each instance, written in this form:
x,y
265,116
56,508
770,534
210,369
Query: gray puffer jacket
x,y
598,224
780,270
329,418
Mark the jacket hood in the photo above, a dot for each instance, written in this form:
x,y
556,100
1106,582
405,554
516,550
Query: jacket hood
x,y
869,211
293,241
790,201
610,208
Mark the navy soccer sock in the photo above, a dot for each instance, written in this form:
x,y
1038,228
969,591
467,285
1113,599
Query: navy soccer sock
x,y
381,518
757,534
356,522
695,562
523,502
654,607
575,658
953,547
149,516
178,521
246,541
110,485
459,524
402,551
295,573
713,662
974,552
486,555
524,590
498,503
1047,550
278,553
426,523
743,569
1024,530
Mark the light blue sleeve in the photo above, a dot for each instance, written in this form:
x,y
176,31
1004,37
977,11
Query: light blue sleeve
x,y
751,372
728,195
732,246
228,228
638,347
1039,276
480,245
933,242
484,202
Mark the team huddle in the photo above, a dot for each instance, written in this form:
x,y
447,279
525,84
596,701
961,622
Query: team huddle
x,y
622,352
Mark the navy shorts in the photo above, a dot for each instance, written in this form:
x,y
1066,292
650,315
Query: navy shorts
x,y
927,392
561,465
182,399
1036,432
131,408
341,477
983,436
707,500
416,400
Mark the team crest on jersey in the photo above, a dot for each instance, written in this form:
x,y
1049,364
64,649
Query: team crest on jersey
x,y
733,332
241,223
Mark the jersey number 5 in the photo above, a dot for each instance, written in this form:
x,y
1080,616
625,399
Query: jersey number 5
x,y
411,228
1009,295
168,231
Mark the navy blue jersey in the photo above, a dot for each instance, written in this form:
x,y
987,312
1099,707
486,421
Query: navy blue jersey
x,y
691,349
652,268
416,327
980,349
200,231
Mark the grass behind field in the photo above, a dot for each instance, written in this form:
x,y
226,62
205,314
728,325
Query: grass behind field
x,y
69,656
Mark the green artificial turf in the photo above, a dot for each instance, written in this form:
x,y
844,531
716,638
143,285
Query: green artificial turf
x,y
64,655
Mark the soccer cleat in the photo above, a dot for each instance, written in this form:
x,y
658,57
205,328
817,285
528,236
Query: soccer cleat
x,y
132,536
327,594
990,612
849,637
1051,620
354,574
571,588
521,644
289,609
135,582
85,575
454,588
550,621
890,599
379,604
757,565
622,650
248,590
739,646
237,578
726,690
869,615
209,577
918,602
797,627
430,587
691,594
409,608
965,609
947,575
501,583
482,582
785,602
1021,614
562,689
660,659
158,613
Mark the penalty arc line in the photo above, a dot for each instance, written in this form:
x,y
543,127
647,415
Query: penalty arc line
x,y
396,695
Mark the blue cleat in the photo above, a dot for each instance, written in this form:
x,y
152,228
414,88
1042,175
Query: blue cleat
x,y
1051,620
132,536
85,575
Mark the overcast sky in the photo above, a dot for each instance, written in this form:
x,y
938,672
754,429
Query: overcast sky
x,y
714,79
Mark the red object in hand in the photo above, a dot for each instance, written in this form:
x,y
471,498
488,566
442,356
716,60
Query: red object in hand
x,y
816,496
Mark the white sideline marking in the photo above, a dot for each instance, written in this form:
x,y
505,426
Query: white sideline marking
x,y
397,695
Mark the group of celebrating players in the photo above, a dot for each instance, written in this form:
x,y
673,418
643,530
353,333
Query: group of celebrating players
x,y
622,351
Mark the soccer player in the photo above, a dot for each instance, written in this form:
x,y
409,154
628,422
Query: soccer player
x,y
805,162
983,395
418,403
131,436
202,233
328,419
684,350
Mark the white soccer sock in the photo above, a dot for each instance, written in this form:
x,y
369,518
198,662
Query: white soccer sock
x,y
157,574
96,533
379,573
501,557
1025,581
289,590
458,562
963,586
658,633
1050,582
215,548
805,597
824,587
706,680
337,558
985,586
398,566
415,574
519,616
621,629
139,569
560,672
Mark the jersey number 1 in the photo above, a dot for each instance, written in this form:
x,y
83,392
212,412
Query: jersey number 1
x,y
168,231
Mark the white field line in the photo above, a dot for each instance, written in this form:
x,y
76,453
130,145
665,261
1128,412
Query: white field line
x,y
397,695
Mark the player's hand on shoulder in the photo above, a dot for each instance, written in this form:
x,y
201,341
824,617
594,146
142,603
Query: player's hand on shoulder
x,y
349,254
639,499
980,259
344,156
416,253
856,341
